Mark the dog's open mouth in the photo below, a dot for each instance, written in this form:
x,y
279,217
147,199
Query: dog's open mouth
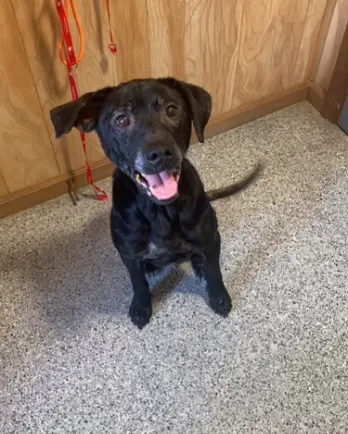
x,y
163,186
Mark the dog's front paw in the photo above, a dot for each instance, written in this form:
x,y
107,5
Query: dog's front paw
x,y
140,312
221,303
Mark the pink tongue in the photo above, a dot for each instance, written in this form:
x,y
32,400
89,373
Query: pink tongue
x,y
163,185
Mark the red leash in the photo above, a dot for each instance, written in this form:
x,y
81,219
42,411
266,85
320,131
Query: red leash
x,y
112,45
71,64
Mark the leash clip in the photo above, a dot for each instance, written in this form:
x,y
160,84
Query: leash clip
x,y
112,47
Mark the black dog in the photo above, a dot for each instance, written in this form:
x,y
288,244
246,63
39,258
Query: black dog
x,y
161,213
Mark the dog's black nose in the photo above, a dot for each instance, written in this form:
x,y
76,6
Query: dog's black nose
x,y
159,155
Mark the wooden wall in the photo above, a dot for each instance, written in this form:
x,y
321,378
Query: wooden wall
x,y
240,50
332,45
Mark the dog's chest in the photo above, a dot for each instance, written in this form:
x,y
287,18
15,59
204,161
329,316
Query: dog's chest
x,y
160,251
166,242
156,251
165,234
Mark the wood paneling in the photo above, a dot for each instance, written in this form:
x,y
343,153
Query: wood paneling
x,y
26,154
251,111
245,52
332,44
310,34
212,32
337,93
41,193
222,123
316,96
166,37
270,41
40,30
322,36
3,187
132,35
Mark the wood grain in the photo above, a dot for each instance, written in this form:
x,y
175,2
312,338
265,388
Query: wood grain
x,y
332,44
310,34
166,37
270,41
322,36
212,29
132,35
337,93
26,156
40,30
316,96
3,187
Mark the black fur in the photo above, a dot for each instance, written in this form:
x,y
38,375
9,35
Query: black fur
x,y
150,234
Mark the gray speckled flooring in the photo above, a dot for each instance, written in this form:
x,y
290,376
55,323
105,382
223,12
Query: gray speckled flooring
x,y
71,362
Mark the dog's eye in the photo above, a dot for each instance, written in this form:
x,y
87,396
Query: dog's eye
x,y
123,121
171,110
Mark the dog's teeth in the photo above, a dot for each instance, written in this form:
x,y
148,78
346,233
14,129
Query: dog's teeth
x,y
137,177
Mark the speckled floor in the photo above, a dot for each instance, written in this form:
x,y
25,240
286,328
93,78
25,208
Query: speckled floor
x,y
71,361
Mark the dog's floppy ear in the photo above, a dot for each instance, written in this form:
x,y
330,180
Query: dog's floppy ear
x,y
81,113
198,100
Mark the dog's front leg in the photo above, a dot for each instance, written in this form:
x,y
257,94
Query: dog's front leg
x,y
219,299
140,310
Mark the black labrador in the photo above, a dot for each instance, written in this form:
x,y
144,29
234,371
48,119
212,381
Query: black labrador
x,y
160,213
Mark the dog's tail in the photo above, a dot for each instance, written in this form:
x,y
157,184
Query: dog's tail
x,y
220,193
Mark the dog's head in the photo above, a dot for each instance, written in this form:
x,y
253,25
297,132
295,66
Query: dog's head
x,y
144,127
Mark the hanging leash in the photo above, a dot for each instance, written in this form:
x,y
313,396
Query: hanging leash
x,y
62,44
71,62
112,46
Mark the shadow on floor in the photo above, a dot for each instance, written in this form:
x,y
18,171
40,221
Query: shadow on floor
x,y
69,277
